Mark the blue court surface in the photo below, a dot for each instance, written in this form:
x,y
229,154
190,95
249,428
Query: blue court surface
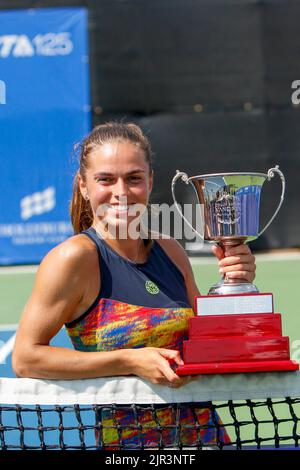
x,y
7,336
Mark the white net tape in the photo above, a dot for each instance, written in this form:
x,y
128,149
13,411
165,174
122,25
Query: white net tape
x,y
123,390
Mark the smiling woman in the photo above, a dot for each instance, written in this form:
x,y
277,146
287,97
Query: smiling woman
x,y
125,301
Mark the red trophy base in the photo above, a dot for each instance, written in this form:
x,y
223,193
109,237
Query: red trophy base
x,y
236,367
235,342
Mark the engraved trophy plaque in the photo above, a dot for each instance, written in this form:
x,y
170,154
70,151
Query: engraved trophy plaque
x,y
236,329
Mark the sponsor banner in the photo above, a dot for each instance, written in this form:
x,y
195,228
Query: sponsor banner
x,y
44,112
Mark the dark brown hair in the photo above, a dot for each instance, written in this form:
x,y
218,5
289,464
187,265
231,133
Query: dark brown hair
x,y
80,209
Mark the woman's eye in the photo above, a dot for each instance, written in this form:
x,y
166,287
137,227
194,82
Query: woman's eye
x,y
103,180
108,180
135,178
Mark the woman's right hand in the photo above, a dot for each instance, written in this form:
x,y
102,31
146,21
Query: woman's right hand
x,y
155,365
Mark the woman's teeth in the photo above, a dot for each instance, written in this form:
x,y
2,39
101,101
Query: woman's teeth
x,y
120,208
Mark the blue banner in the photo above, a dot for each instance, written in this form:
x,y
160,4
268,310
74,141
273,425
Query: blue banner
x,y
44,112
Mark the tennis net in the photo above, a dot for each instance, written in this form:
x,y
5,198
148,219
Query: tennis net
x,y
232,411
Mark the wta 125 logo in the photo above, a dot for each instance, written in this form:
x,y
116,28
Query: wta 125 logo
x,y
49,44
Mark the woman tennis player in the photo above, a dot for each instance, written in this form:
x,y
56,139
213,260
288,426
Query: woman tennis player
x,y
125,301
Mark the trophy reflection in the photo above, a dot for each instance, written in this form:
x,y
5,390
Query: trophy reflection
x,y
236,329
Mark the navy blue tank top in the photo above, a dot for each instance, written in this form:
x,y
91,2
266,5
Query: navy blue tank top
x,y
134,283
134,299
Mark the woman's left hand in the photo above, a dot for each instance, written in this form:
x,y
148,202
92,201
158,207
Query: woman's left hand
x,y
236,263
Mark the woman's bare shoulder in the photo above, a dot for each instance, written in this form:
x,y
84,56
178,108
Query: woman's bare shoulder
x,y
77,252
61,285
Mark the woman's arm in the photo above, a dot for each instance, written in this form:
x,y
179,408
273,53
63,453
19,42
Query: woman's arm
x,y
58,291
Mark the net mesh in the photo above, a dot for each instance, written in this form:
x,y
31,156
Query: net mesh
x,y
155,424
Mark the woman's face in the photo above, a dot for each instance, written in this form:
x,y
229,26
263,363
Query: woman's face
x,y
118,184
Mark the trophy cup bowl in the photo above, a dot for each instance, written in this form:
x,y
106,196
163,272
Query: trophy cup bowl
x,y
230,203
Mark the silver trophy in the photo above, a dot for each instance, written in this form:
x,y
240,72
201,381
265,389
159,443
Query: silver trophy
x,y
230,203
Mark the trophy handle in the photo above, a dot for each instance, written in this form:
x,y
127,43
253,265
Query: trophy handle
x,y
271,174
184,177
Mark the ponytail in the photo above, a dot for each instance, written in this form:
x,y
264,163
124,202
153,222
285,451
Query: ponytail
x,y
80,210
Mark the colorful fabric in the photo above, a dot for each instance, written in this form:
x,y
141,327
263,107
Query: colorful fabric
x,y
124,428
116,325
